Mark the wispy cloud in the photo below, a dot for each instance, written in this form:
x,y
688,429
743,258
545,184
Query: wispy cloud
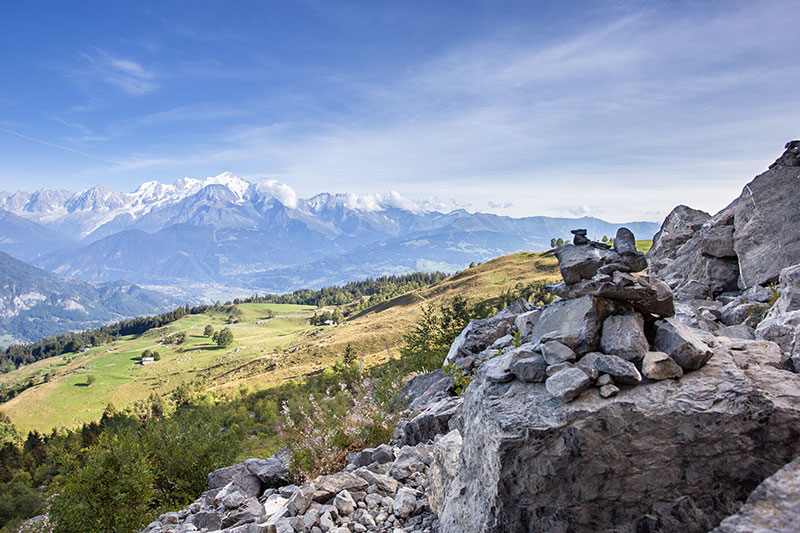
x,y
104,67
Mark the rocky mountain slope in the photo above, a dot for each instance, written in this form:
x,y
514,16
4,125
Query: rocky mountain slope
x,y
28,240
35,303
261,237
620,407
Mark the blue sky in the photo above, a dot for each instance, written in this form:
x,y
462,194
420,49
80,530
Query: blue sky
x,y
614,109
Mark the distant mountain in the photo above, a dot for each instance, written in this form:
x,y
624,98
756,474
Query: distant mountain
x,y
28,240
259,236
35,303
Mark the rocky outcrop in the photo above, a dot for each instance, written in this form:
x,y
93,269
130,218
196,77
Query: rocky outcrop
x,y
662,456
746,244
773,507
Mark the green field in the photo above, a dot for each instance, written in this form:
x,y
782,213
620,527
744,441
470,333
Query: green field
x,y
67,400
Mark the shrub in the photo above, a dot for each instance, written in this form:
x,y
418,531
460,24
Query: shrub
x,y
223,337
323,431
112,491
208,331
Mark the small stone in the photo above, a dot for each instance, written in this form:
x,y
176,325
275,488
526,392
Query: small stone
x,y
604,379
681,344
625,242
404,503
497,375
326,522
623,335
552,369
621,370
568,384
607,391
555,352
658,365
344,503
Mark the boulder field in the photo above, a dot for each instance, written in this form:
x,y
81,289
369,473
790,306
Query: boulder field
x,y
657,393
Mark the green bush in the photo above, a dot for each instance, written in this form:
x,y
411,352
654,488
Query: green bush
x,y
111,491
223,337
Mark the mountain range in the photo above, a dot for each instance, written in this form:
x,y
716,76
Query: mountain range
x,y
224,235
35,303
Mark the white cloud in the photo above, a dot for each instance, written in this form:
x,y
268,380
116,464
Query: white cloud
x,y
104,67
580,210
284,193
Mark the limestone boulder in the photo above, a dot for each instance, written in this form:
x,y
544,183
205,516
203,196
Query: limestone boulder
x,y
479,335
773,507
444,466
579,262
673,455
623,335
681,343
576,323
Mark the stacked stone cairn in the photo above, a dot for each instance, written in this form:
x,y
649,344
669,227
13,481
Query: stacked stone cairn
x,y
612,326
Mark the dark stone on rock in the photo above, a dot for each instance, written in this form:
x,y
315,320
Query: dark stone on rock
x,y
555,352
773,507
272,471
381,454
575,323
621,370
610,268
426,389
643,294
623,335
790,157
718,242
568,384
681,343
558,367
432,421
608,391
525,322
695,447
240,475
658,366
527,364
739,331
478,336
326,487
581,262
207,520
625,242
681,224
498,375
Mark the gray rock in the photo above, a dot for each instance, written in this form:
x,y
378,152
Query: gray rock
x,y
609,391
240,475
718,242
681,343
273,471
575,323
444,467
637,290
404,503
344,503
658,365
207,520
621,370
425,389
300,501
623,335
782,322
604,379
427,424
681,224
568,384
525,322
381,454
558,367
478,336
625,242
497,375
740,331
773,507
739,311
577,263
694,446
527,364
408,462
328,486
555,352
382,482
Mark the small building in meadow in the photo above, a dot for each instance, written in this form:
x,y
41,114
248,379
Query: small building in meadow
x,y
147,360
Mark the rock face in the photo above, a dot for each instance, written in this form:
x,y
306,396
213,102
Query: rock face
x,y
677,455
773,507
744,245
